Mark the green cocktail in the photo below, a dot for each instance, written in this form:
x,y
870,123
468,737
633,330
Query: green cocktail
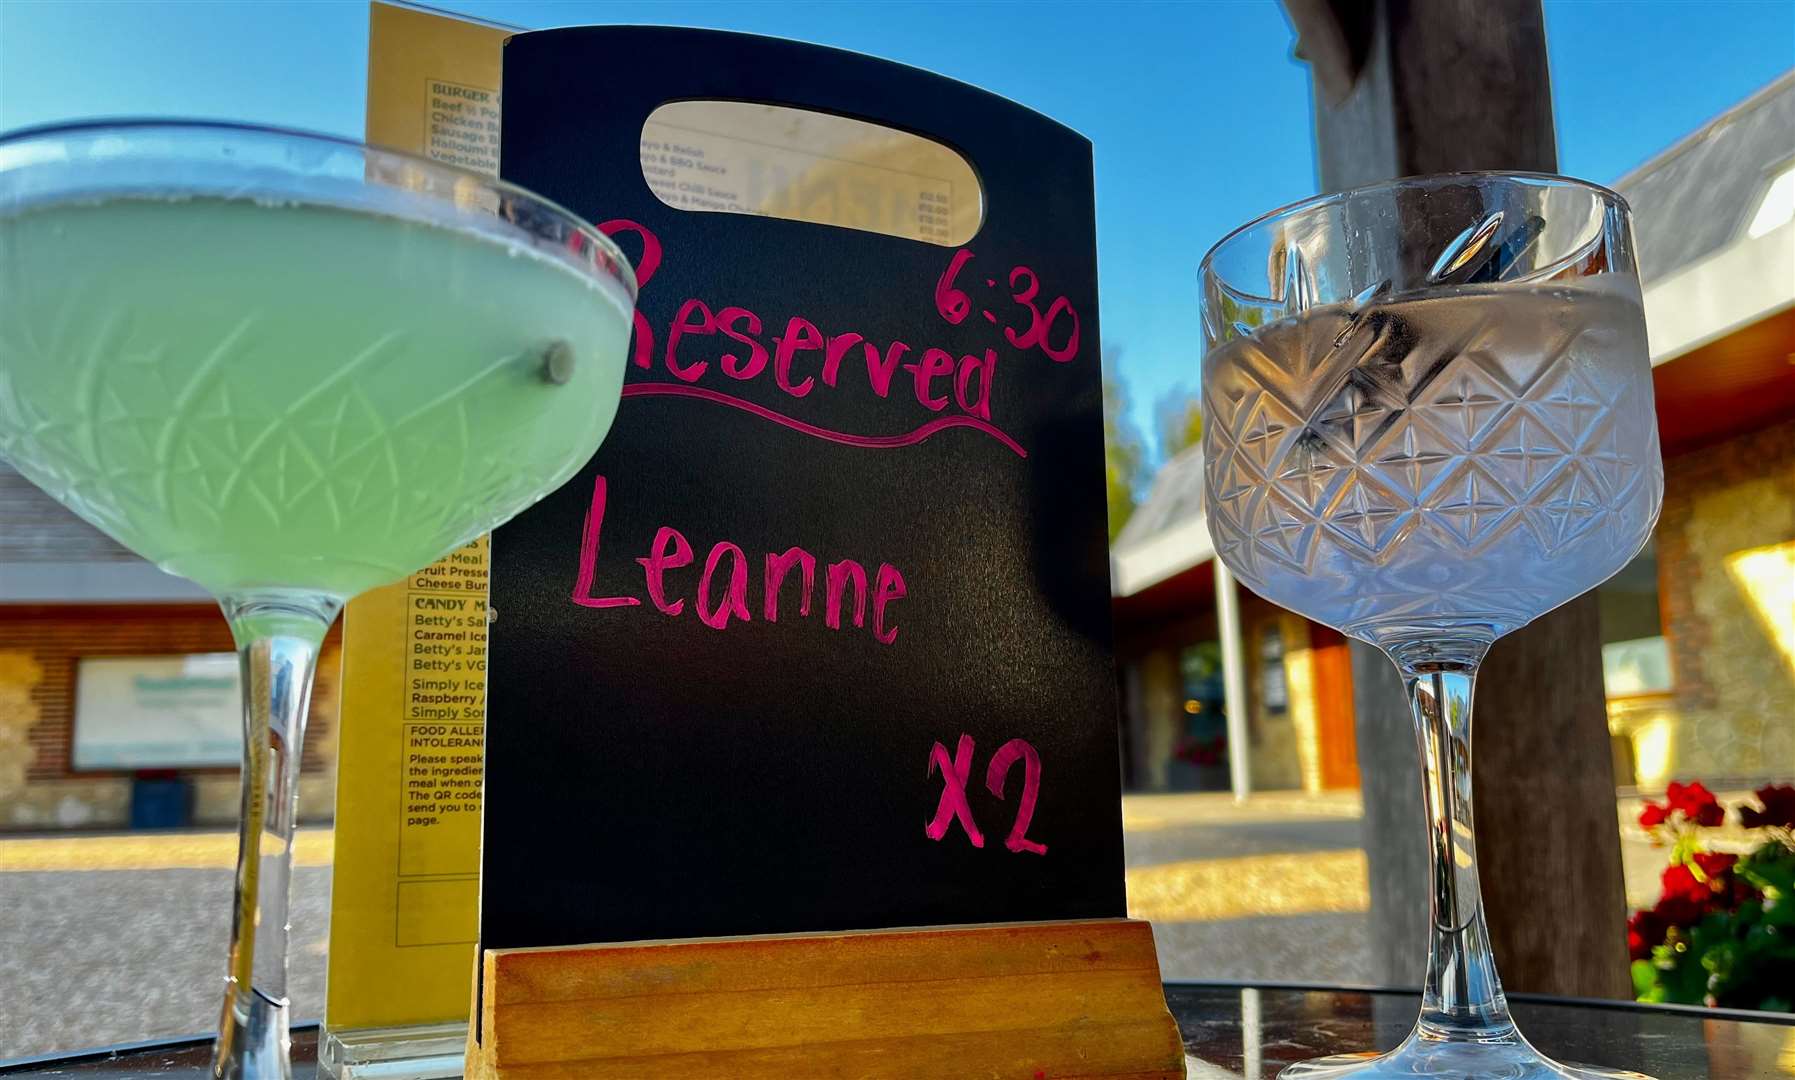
x,y
295,396
290,368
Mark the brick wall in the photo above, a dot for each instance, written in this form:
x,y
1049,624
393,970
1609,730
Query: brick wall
x,y
1734,689
1689,479
57,637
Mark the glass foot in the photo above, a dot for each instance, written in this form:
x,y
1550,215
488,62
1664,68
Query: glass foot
x,y
413,1052
1506,1058
253,1042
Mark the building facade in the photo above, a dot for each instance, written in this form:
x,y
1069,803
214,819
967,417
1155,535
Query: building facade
x,y
1176,620
93,640
1716,232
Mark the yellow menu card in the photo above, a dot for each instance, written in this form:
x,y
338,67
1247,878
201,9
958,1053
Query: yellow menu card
x,y
405,890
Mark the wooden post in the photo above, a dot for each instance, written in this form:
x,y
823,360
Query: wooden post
x,y
1402,88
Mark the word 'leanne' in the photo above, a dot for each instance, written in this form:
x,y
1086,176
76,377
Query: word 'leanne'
x,y
720,595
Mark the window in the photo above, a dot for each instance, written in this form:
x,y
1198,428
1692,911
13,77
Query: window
x,y
1635,654
1777,207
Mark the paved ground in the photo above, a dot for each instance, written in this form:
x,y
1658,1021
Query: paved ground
x,y
97,957
108,939
1273,890
115,939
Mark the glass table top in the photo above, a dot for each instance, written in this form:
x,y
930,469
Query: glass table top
x,y
1248,1033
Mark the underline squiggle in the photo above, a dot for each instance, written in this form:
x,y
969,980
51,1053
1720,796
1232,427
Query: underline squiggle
x,y
876,442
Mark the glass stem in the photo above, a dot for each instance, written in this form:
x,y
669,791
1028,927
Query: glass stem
x,y
278,636
1462,997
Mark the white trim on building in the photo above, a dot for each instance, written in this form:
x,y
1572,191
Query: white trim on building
x,y
1139,566
1745,282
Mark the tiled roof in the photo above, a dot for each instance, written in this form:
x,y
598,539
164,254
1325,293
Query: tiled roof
x,y
1177,497
36,528
1698,196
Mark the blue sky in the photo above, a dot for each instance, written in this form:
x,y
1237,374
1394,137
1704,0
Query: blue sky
x,y
1199,115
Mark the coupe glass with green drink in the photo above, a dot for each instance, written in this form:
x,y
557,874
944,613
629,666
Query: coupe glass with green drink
x,y
290,368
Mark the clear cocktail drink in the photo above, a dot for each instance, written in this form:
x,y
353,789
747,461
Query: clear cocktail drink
x,y
1465,454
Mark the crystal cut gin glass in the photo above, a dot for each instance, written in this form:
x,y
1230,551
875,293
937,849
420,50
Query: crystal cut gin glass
x,y
290,368
1428,420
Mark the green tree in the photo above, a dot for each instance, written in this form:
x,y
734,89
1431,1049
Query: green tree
x,y
1178,416
1124,452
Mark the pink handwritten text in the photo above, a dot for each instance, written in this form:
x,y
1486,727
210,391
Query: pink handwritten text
x,y
711,343
721,595
1007,755
956,772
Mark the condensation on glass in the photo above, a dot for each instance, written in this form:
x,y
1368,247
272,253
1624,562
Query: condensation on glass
x,y
738,157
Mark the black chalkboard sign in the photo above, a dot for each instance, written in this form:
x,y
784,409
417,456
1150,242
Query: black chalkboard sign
x,y
676,747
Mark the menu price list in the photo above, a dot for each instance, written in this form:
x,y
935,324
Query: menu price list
x,y
444,710
707,170
463,126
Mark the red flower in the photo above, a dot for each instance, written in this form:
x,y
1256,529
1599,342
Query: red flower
x,y
1645,931
1679,911
1695,802
1680,884
1653,815
1715,864
1686,898
1779,808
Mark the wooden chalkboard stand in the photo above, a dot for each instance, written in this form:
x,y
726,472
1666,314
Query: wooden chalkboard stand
x,y
1063,1000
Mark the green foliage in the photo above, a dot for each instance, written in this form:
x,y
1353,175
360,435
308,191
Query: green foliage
x,y
1178,415
1772,869
1684,847
1741,959
1124,454
1723,933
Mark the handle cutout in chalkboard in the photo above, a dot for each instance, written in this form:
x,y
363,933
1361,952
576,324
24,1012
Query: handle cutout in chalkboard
x,y
739,157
